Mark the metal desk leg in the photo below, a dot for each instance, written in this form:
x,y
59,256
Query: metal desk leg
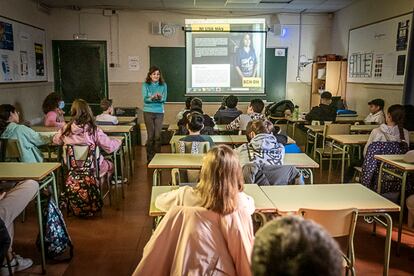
x,y
121,157
54,188
128,153
42,242
330,161
116,179
344,149
402,203
156,177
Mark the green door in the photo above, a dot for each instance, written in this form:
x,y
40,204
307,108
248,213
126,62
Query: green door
x,y
80,71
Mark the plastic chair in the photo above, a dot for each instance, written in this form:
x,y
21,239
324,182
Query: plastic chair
x,y
338,223
327,151
188,176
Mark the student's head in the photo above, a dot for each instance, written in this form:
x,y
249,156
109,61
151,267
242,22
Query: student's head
x,y
326,98
256,127
154,75
8,114
52,102
196,104
395,117
81,115
246,41
256,105
188,102
293,246
221,179
195,122
106,106
376,105
231,101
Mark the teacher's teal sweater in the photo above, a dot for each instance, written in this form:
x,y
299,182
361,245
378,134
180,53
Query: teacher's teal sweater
x,y
148,90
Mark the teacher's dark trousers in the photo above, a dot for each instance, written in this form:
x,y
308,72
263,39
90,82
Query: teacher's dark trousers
x,y
153,123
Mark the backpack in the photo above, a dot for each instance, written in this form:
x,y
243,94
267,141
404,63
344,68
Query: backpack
x,y
277,109
81,192
56,236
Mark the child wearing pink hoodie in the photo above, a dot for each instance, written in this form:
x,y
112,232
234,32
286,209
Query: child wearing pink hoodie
x,y
53,109
82,130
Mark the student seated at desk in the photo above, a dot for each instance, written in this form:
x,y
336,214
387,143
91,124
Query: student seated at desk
x,y
262,148
28,139
293,246
220,188
187,108
228,110
82,130
196,105
12,203
254,112
376,115
53,109
107,111
393,130
195,125
323,112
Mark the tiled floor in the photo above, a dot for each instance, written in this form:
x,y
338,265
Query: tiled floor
x,y
112,244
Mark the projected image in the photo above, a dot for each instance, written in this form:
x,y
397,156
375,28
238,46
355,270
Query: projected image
x,y
225,57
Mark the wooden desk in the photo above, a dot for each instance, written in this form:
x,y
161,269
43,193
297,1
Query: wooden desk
x,y
194,161
45,129
349,119
219,128
290,198
261,201
122,120
343,143
44,174
354,128
396,161
217,139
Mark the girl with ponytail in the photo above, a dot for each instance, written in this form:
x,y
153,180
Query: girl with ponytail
x,y
393,130
29,139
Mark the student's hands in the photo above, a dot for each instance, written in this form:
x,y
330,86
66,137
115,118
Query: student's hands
x,y
2,195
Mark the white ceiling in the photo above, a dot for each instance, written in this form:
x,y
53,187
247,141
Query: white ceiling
x,y
316,6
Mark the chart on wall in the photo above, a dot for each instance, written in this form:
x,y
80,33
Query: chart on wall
x,y
22,52
378,52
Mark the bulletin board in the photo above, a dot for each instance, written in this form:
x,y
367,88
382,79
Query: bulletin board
x,y
378,52
22,52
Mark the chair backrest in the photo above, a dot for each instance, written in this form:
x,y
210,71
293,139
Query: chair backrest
x,y
81,153
264,174
190,147
332,129
11,150
338,223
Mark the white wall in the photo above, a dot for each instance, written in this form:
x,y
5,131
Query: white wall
x,y
360,13
27,97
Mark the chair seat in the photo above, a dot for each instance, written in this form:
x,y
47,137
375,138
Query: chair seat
x,y
358,169
327,151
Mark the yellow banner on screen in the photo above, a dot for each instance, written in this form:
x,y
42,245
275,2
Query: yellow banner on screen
x,y
210,27
252,82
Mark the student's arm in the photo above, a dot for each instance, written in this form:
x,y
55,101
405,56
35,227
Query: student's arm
x,y
51,120
104,142
311,115
34,137
115,120
57,138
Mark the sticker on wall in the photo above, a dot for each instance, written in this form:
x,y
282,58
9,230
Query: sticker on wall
x,y
280,52
133,63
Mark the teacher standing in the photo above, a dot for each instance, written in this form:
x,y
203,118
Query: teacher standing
x,y
154,94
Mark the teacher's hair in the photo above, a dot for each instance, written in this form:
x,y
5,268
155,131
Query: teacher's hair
x,y
152,70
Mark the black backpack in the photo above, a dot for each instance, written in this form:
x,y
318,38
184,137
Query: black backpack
x,y
277,109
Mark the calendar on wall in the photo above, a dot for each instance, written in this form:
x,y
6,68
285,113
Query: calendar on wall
x,y
22,52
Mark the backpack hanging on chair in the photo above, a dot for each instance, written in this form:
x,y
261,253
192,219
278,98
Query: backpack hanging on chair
x,y
58,245
82,194
277,109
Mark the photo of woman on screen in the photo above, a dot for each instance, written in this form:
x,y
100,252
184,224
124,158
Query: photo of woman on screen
x,y
245,58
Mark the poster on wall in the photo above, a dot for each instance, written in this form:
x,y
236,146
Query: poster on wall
x,y
6,36
22,52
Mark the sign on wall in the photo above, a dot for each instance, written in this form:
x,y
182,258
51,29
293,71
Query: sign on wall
x,y
22,52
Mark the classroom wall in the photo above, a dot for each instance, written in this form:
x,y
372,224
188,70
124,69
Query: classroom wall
x,y
360,13
135,39
27,97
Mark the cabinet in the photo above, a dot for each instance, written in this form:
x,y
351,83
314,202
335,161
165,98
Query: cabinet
x,y
328,76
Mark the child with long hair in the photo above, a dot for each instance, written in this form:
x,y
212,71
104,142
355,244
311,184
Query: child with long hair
x,y
28,139
82,130
393,130
53,109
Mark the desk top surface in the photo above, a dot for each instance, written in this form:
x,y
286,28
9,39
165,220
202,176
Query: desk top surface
x,y
290,198
396,160
194,161
350,139
21,171
261,201
319,128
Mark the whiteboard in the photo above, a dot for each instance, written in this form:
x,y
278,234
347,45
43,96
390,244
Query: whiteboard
x,y
22,52
377,53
